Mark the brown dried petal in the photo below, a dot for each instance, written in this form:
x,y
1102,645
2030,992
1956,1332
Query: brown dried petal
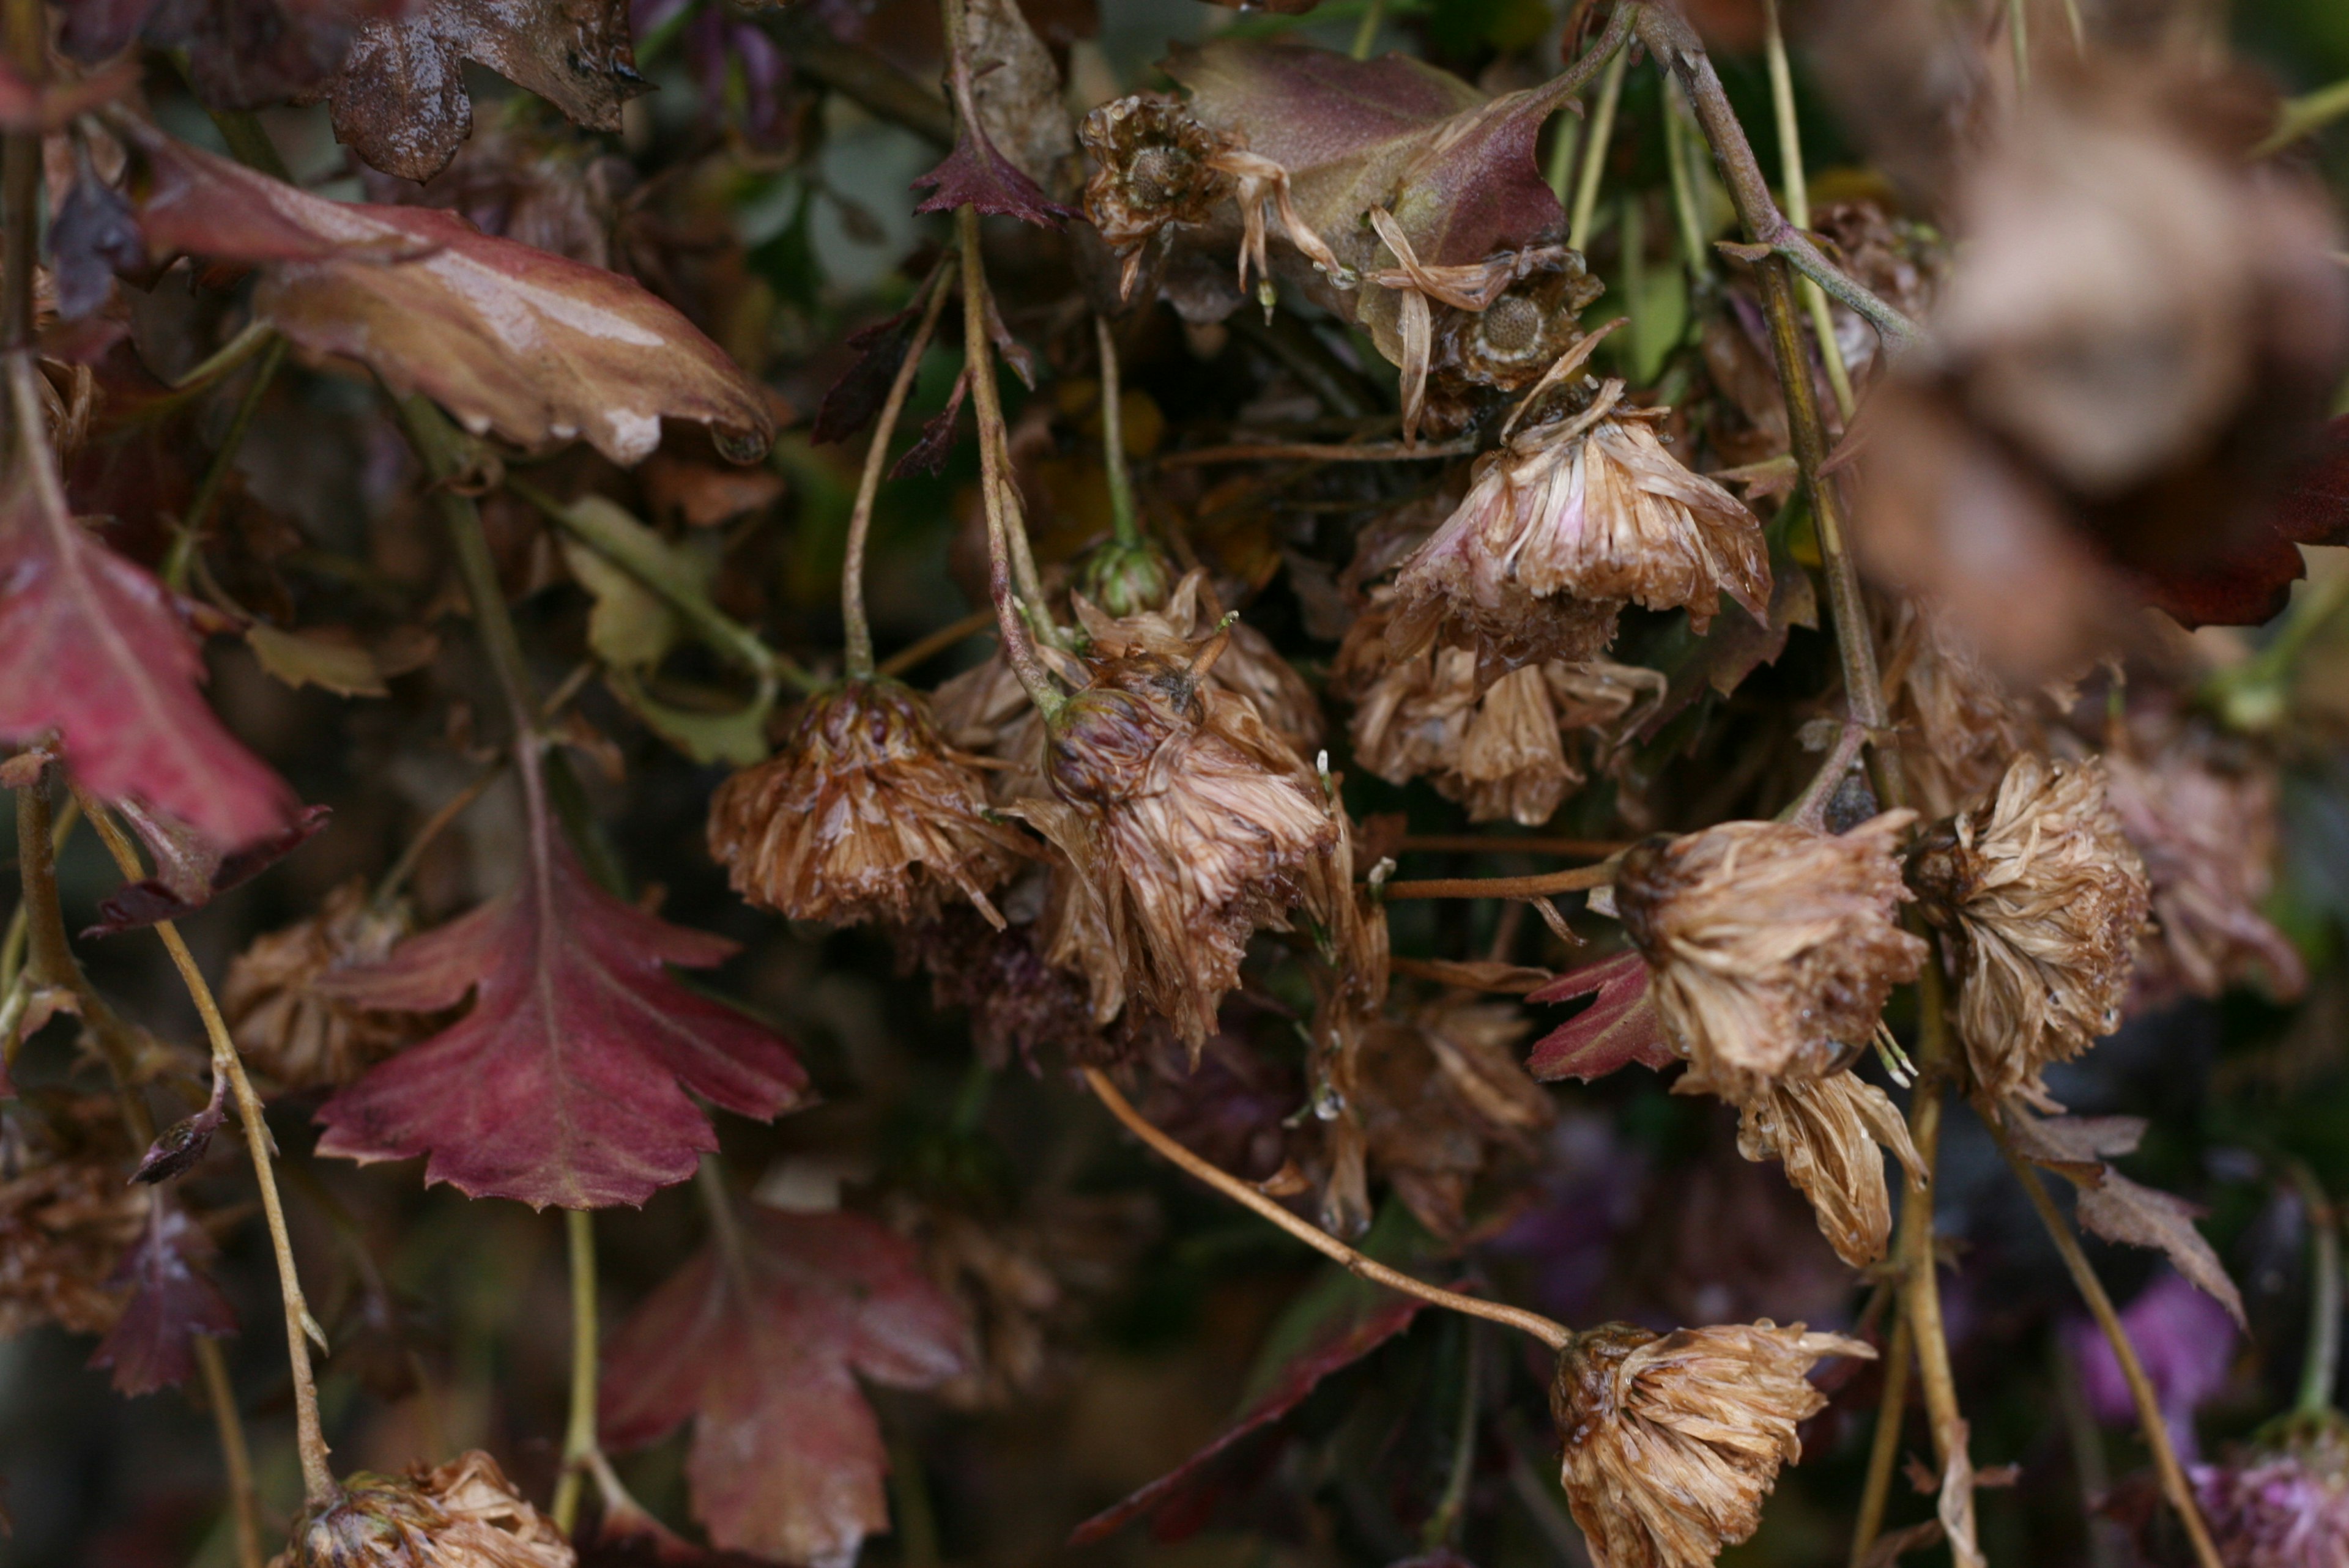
x,y
1441,1097
1250,666
1566,525
1188,822
1826,1132
2048,900
291,1033
864,812
1671,1442
1153,170
1959,724
64,1225
1772,946
464,1514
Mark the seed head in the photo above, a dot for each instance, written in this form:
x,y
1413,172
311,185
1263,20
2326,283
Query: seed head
x,y
464,1514
1671,1442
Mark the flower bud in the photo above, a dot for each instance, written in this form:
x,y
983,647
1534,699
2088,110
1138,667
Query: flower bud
x,y
1672,1441
1771,946
864,812
2047,900
464,1514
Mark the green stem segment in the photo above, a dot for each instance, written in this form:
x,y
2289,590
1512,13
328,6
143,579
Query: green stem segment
x,y
2321,1368
1796,186
579,1445
857,629
191,536
1123,522
1595,143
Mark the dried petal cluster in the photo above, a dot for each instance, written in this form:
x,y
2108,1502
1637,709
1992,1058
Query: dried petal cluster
x,y
1441,1098
1672,1441
1188,824
1828,1131
65,1223
462,1514
2047,900
864,812
1959,724
292,1032
1249,666
1154,168
1567,524
2283,1508
1772,946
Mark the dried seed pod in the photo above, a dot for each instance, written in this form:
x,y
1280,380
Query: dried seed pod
x,y
2206,826
1508,344
2047,900
1187,822
1672,1441
1771,946
288,1031
864,812
464,1514
1564,526
1826,1131
1154,168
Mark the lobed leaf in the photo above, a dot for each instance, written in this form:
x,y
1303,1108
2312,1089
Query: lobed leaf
x,y
1618,1028
173,1300
2119,1210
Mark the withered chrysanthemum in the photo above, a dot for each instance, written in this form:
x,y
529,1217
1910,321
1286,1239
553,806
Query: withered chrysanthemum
x,y
64,1224
1154,168
1567,524
464,1514
1187,822
864,812
1959,724
288,1031
1442,1095
1672,1441
1826,1132
1771,946
2047,900
1249,666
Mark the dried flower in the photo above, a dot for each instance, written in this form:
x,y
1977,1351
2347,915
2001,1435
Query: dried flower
x,y
1188,822
1019,1000
864,812
1563,527
2048,899
2206,832
64,1225
1672,1441
464,1514
1155,166
1959,724
1826,1131
290,1032
2285,1508
1441,1096
1250,665
1772,946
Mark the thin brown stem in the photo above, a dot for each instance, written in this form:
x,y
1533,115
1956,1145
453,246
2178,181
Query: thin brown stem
x,y
189,538
1884,1449
979,366
1550,1332
236,1458
387,886
1577,880
26,28
1317,453
1796,186
857,630
1501,844
923,649
318,1485
1916,1255
2171,1474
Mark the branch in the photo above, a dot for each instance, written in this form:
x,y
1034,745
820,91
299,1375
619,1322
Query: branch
x,y
856,629
1580,878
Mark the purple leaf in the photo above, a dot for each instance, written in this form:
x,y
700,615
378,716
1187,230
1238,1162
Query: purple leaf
x,y
153,1344
976,175
200,874
1618,1028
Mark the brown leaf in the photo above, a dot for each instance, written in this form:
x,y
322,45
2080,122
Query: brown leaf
x,y
2073,1146
532,346
400,101
2119,1210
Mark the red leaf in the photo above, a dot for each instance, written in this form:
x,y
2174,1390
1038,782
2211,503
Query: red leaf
x,y
27,106
535,346
1343,1341
854,399
131,721
566,1081
1618,1030
153,1345
928,453
976,175
2314,507
202,874
786,1459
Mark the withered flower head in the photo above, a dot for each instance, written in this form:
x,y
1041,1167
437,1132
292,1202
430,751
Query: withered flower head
x,y
2284,1508
464,1514
2047,900
1961,725
1497,746
290,1033
1771,945
1187,822
64,1224
2206,826
1509,343
1154,167
1250,664
1567,524
1826,1132
864,812
1672,1441
1443,1097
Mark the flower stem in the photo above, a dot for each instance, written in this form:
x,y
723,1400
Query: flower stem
x,y
979,366
236,1458
1594,151
2172,1475
190,535
1574,879
1884,1448
579,1435
1446,1519
2305,116
2321,1368
1798,203
856,629
1319,452
1682,168
318,1485
1503,844
1550,1332
25,25
387,886
1367,33
1124,525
